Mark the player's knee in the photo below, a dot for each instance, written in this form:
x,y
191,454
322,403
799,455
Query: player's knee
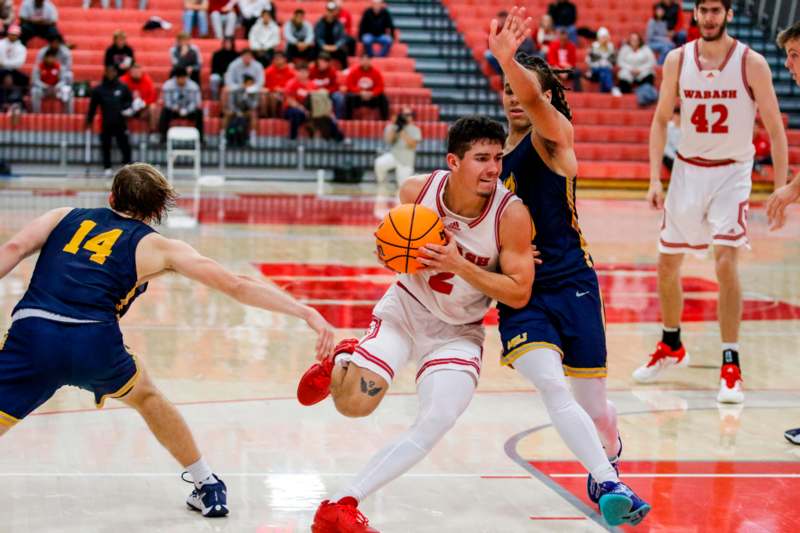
x,y
725,261
437,423
669,265
353,406
555,394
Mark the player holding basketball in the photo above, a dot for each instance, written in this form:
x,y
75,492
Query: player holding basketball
x,y
92,265
433,317
720,82
562,328
788,40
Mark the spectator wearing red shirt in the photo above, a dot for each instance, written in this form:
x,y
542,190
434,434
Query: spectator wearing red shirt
x,y
346,19
276,78
48,79
326,77
295,104
365,89
144,94
563,55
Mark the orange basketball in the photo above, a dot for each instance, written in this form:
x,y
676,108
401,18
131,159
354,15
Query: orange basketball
x,y
404,230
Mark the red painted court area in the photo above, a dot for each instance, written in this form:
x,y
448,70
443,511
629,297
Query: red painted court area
x,y
346,294
713,496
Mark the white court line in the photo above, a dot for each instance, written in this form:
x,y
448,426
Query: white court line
x,y
514,475
689,475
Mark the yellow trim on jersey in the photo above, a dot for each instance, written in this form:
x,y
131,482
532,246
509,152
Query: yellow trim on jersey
x,y
516,353
3,342
125,389
597,372
122,303
574,216
602,305
7,420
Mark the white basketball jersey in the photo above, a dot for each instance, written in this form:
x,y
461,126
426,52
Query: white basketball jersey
x,y
718,110
445,295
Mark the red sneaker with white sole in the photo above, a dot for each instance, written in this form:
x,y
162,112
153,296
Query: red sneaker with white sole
x,y
730,384
315,384
663,358
340,517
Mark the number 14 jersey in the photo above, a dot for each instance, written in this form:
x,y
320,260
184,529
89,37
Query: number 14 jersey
x,y
448,297
718,109
87,267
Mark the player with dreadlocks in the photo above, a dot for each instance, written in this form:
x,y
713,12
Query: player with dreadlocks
x,y
562,329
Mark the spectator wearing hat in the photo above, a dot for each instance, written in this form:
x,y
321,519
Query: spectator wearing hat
x,y
187,56
276,78
264,38
365,89
119,54
220,62
195,11
299,36
63,55
601,59
49,80
144,94
114,100
12,57
38,18
182,99
376,27
330,35
325,77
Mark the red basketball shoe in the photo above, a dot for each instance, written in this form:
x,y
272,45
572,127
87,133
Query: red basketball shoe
x,y
315,384
340,517
730,385
663,358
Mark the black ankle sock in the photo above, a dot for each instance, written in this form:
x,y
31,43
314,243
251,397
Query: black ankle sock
x,y
671,338
730,357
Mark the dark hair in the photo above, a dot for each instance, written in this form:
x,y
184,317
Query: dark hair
x,y
549,80
789,34
277,53
50,53
246,78
299,11
141,191
246,51
727,4
56,38
179,72
229,40
467,130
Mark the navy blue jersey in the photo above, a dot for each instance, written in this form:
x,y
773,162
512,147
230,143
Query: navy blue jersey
x,y
87,267
550,198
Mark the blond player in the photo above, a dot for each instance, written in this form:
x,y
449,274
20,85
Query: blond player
x,y
433,317
721,84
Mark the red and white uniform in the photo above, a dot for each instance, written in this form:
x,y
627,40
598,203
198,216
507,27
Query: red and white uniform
x,y
436,318
710,185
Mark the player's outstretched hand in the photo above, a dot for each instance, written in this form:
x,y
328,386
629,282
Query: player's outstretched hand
x,y
777,204
324,333
504,41
442,258
655,195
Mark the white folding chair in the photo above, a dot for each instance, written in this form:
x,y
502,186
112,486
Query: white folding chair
x,y
182,135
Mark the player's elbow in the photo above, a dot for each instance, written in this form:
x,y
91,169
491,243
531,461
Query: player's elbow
x,y
519,299
13,250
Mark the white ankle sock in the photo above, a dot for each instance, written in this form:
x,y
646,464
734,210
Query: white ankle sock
x,y
201,473
730,346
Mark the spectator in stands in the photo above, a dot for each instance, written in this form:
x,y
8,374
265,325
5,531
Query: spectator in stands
x,y
299,36
144,94
119,53
195,11
325,77
38,18
402,136
658,38
187,56
12,57
563,55
673,14
673,139
244,65
250,11
376,27
7,13
49,80
330,36
527,45
365,89
276,77
182,99
114,100
220,62
295,110
637,64
565,14
12,97
264,38
223,18
63,55
346,18
546,34
601,60
242,111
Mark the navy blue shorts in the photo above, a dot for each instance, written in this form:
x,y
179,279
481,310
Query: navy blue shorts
x,y
40,356
568,318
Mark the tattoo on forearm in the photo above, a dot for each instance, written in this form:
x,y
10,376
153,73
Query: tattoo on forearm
x,y
369,388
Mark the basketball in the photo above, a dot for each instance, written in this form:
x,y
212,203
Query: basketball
x,y
403,231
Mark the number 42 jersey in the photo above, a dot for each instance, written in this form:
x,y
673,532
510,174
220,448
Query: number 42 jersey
x,y
86,269
448,297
